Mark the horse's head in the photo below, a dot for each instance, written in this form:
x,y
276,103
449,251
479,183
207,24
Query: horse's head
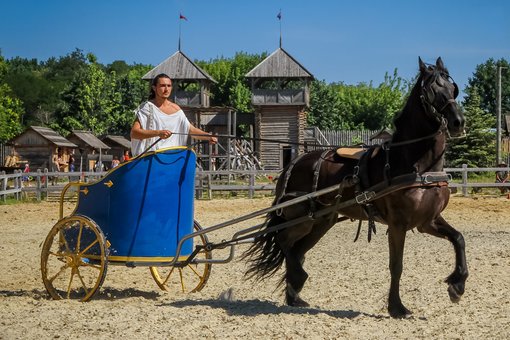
x,y
438,93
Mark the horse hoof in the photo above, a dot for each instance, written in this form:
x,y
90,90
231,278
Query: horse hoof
x,y
297,302
400,312
454,294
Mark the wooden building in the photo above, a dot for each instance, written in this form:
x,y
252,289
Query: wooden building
x,y
38,144
90,150
280,97
118,145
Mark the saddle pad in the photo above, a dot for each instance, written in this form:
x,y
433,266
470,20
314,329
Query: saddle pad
x,y
354,153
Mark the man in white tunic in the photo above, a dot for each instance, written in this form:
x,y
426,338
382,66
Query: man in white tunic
x,y
161,118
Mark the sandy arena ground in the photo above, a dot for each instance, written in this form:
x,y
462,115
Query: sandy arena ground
x,y
347,288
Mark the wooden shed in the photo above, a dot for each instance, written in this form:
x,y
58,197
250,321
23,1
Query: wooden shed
x,y
90,150
38,144
280,96
118,145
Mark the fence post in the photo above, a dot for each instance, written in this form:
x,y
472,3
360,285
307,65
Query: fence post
x,y
209,190
252,185
464,180
18,184
38,185
3,185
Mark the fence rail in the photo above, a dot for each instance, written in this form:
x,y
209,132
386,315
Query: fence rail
x,y
44,184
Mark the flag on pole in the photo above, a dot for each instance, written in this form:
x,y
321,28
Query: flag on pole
x,y
279,16
182,17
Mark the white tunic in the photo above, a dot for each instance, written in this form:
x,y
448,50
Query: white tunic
x,y
177,123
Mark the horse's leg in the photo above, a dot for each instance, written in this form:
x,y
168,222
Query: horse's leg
x,y
296,276
457,279
396,241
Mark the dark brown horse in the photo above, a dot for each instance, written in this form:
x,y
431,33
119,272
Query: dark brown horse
x,y
400,183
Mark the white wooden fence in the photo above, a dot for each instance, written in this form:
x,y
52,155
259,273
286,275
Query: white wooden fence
x,y
17,185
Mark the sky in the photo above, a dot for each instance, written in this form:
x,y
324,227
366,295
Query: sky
x,y
335,40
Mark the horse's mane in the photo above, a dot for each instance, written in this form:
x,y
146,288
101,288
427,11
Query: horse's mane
x,y
415,93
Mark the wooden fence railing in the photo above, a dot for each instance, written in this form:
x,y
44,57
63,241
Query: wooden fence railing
x,y
43,184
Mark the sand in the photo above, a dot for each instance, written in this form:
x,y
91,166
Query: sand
x,y
347,287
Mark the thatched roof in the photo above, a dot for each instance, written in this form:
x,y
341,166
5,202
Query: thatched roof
x,y
179,67
109,139
88,139
279,64
52,136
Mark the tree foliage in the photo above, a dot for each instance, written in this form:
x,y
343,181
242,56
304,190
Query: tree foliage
x,y
231,88
485,80
345,107
11,108
477,147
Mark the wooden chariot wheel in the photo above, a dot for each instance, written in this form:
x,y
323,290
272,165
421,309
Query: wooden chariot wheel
x,y
74,259
189,279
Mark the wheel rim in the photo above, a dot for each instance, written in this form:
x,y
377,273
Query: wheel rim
x,y
74,259
189,279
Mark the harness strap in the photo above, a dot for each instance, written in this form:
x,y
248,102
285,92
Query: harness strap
x,y
318,169
286,181
427,179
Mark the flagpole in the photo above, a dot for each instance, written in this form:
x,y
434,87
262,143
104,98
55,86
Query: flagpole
x,y
179,46
280,20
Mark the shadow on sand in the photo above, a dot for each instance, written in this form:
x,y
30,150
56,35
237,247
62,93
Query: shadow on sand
x,y
257,307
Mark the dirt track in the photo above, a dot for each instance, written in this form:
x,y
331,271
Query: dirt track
x,y
347,287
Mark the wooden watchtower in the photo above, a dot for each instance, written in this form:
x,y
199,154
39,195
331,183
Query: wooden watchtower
x,y
191,84
280,96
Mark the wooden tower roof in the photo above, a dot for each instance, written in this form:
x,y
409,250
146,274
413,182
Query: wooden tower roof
x,y
279,64
179,67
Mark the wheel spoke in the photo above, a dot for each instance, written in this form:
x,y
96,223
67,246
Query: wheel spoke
x,y
168,276
182,281
62,238
82,282
195,271
90,265
64,267
78,241
56,254
89,246
70,283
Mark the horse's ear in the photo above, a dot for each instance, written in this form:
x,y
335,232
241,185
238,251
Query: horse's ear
x,y
423,67
439,63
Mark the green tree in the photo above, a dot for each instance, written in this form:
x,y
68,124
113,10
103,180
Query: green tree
x,y
485,80
133,91
11,108
338,106
38,85
231,88
477,147
91,102
325,111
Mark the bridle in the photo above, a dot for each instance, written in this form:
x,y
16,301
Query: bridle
x,y
426,94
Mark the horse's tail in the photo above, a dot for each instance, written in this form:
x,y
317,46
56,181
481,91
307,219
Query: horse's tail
x,y
265,256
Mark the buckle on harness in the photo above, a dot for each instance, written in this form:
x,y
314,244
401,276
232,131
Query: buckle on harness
x,y
431,178
364,197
